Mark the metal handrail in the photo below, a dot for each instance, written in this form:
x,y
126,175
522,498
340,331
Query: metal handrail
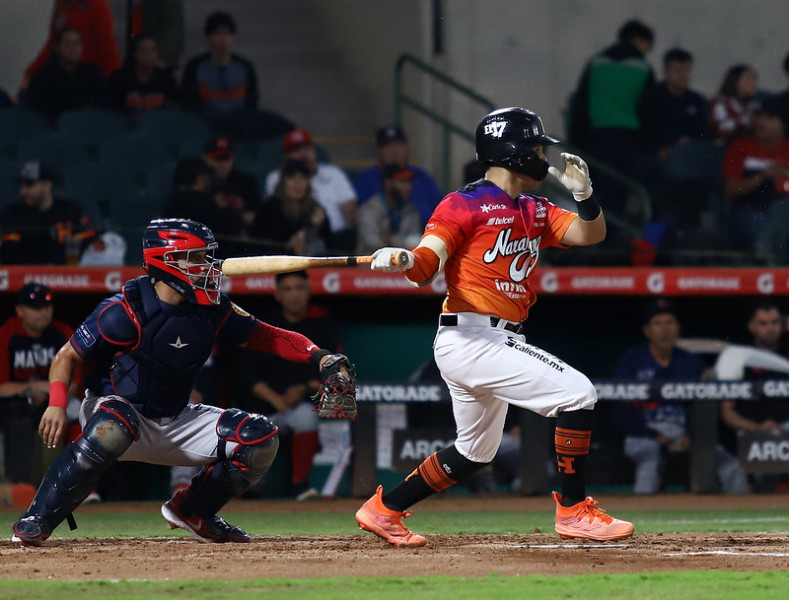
x,y
402,99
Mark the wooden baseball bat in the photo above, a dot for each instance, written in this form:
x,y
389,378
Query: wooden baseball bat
x,y
261,265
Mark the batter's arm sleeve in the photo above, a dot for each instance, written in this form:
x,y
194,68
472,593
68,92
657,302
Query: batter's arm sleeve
x,y
429,259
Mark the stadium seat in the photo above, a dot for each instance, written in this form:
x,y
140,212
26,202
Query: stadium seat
x,y
134,154
97,183
773,242
59,151
694,160
159,182
134,211
247,125
17,124
92,126
9,188
172,126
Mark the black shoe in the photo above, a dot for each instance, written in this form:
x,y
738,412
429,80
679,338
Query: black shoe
x,y
31,531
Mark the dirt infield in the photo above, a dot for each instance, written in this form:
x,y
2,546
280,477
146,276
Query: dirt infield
x,y
366,555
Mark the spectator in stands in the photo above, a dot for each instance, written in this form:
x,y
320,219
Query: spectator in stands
x,y
291,221
140,84
230,186
731,112
92,20
192,199
390,218
330,187
764,359
64,82
782,99
675,114
37,228
219,81
654,429
280,389
29,341
608,105
391,147
756,174
162,20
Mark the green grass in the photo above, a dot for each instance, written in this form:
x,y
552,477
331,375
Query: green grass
x,y
673,585
151,524
695,585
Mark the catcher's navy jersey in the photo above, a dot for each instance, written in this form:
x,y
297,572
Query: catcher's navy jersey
x,y
149,352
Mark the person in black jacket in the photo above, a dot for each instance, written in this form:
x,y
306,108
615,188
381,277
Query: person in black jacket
x,y
64,82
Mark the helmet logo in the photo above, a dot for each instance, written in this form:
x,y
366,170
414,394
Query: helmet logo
x,y
495,128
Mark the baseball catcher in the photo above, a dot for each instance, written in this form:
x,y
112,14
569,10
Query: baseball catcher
x,y
336,398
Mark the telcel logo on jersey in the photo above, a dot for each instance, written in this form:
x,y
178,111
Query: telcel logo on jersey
x,y
501,220
526,252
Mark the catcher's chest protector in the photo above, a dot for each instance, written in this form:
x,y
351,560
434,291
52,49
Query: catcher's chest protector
x,y
158,375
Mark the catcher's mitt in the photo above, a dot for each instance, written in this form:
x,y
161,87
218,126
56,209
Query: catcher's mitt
x,y
336,398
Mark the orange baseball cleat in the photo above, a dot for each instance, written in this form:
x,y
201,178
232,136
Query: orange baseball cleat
x,y
587,521
374,517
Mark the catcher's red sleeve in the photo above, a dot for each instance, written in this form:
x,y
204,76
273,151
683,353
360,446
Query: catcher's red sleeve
x,y
425,265
281,342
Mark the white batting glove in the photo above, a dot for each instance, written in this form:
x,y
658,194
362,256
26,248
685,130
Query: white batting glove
x,y
575,177
387,259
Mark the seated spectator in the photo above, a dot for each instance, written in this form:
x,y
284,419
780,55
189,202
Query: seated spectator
x,y
64,82
330,187
230,186
162,20
782,100
37,228
390,217
732,109
291,221
654,429
192,199
219,81
92,20
281,389
675,114
140,85
763,359
756,174
391,146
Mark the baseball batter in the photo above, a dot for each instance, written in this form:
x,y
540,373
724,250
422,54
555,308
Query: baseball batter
x,y
140,352
486,237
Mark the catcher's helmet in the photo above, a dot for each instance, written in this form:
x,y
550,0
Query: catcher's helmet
x,y
506,138
179,252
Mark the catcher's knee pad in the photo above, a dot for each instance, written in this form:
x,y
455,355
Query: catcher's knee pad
x,y
256,437
112,429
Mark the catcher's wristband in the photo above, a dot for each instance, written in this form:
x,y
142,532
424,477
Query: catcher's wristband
x,y
58,394
315,357
589,209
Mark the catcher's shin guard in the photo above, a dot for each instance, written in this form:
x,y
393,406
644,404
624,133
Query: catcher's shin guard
x,y
218,483
78,468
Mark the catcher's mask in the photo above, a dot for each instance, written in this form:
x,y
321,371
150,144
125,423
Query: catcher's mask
x,y
180,252
506,138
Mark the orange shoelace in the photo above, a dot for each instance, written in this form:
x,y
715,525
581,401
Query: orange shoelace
x,y
590,507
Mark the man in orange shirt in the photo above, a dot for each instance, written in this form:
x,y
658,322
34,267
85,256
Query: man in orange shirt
x,y
486,238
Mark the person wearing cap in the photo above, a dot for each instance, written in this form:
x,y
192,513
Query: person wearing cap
x,y
291,221
390,218
654,429
391,146
230,186
330,186
29,340
192,198
35,229
756,175
219,81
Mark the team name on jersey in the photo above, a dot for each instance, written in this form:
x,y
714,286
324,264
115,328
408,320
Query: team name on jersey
x,y
34,357
525,251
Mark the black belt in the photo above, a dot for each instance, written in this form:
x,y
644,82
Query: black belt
x,y
452,321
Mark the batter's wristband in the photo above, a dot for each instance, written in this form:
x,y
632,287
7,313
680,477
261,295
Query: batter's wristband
x,y
58,394
589,209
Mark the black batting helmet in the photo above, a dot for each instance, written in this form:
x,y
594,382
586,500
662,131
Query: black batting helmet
x,y
506,138
180,252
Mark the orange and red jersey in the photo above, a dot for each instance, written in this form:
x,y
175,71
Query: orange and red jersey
x,y
493,244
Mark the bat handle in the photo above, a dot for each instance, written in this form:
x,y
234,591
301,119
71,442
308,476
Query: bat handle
x,y
400,259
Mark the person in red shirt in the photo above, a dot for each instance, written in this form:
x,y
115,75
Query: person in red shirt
x,y
93,20
29,340
756,174
486,238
